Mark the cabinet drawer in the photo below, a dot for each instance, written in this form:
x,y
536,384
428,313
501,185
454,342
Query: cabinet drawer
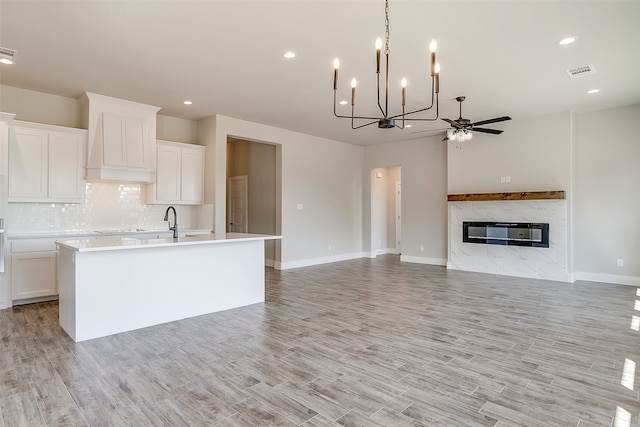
x,y
33,245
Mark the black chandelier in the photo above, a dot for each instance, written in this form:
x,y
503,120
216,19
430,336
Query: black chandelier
x,y
387,121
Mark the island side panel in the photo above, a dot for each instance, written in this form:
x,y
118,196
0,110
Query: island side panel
x,y
67,290
123,290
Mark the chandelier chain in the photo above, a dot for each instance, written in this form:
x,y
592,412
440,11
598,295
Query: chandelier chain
x,y
386,25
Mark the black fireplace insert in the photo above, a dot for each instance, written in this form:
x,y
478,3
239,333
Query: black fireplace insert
x,y
506,233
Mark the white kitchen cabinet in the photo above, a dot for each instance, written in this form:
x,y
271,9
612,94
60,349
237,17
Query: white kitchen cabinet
x,y
46,163
33,269
192,175
179,174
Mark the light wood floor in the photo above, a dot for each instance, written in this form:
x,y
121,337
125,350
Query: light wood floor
x,y
366,342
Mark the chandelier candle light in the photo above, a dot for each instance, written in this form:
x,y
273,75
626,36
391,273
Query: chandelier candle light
x,y
387,121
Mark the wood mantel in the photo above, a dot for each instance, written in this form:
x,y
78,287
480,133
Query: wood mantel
x,y
525,195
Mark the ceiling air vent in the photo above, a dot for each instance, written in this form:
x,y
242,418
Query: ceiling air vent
x,y
581,71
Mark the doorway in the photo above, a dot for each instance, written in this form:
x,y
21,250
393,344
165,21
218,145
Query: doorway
x,y
253,169
398,217
386,210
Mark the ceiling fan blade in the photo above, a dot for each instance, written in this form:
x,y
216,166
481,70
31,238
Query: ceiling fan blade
x,y
452,123
496,120
485,130
446,137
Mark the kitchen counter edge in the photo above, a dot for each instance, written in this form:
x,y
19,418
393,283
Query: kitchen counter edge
x,y
123,243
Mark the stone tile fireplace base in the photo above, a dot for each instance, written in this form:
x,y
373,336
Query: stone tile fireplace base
x,y
543,263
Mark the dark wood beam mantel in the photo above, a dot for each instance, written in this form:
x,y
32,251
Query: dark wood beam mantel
x,y
524,195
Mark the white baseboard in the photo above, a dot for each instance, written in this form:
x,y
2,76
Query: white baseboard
x,y
385,251
317,261
269,263
616,279
423,260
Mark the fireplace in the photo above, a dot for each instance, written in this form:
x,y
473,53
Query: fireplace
x,y
496,255
506,233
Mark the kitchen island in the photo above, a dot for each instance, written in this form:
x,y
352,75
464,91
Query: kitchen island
x,y
114,285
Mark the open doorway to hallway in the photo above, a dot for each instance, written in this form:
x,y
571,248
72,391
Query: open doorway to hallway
x,y
386,210
253,190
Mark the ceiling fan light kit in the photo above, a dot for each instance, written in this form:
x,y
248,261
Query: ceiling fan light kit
x,y
6,55
462,127
386,121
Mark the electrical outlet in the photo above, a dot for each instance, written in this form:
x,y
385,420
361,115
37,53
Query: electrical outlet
x,y
620,262
329,247
422,247
502,179
508,178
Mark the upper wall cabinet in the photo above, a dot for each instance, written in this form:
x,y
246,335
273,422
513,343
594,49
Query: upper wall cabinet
x,y
121,141
179,174
46,163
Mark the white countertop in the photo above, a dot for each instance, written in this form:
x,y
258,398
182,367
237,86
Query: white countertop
x,y
79,234
119,243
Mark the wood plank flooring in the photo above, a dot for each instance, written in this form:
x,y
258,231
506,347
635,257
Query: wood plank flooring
x,y
367,342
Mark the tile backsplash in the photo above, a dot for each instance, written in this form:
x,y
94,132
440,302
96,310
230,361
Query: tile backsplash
x,y
108,206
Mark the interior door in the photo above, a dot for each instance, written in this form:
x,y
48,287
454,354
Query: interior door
x,y
237,200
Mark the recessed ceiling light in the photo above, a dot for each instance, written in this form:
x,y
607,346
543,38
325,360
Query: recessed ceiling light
x,y
289,55
567,40
187,102
407,126
593,91
343,102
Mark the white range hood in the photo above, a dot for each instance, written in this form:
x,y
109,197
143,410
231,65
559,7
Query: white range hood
x,y
122,135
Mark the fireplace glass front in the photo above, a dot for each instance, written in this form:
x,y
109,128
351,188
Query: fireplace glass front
x,y
506,233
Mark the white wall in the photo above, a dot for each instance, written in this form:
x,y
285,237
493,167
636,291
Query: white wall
x,y
39,107
534,152
176,129
424,196
321,176
606,224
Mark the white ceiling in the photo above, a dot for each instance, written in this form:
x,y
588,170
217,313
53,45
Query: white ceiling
x,y
226,56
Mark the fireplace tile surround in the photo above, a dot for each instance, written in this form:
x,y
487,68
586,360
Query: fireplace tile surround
x,y
543,263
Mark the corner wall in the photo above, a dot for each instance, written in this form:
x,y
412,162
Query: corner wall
x,y
321,197
607,195
423,163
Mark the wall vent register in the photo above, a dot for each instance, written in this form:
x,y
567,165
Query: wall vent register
x,y
506,233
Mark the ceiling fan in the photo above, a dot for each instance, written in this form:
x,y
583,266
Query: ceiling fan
x,y
462,127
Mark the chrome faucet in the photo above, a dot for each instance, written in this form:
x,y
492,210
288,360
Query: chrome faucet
x,y
175,221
